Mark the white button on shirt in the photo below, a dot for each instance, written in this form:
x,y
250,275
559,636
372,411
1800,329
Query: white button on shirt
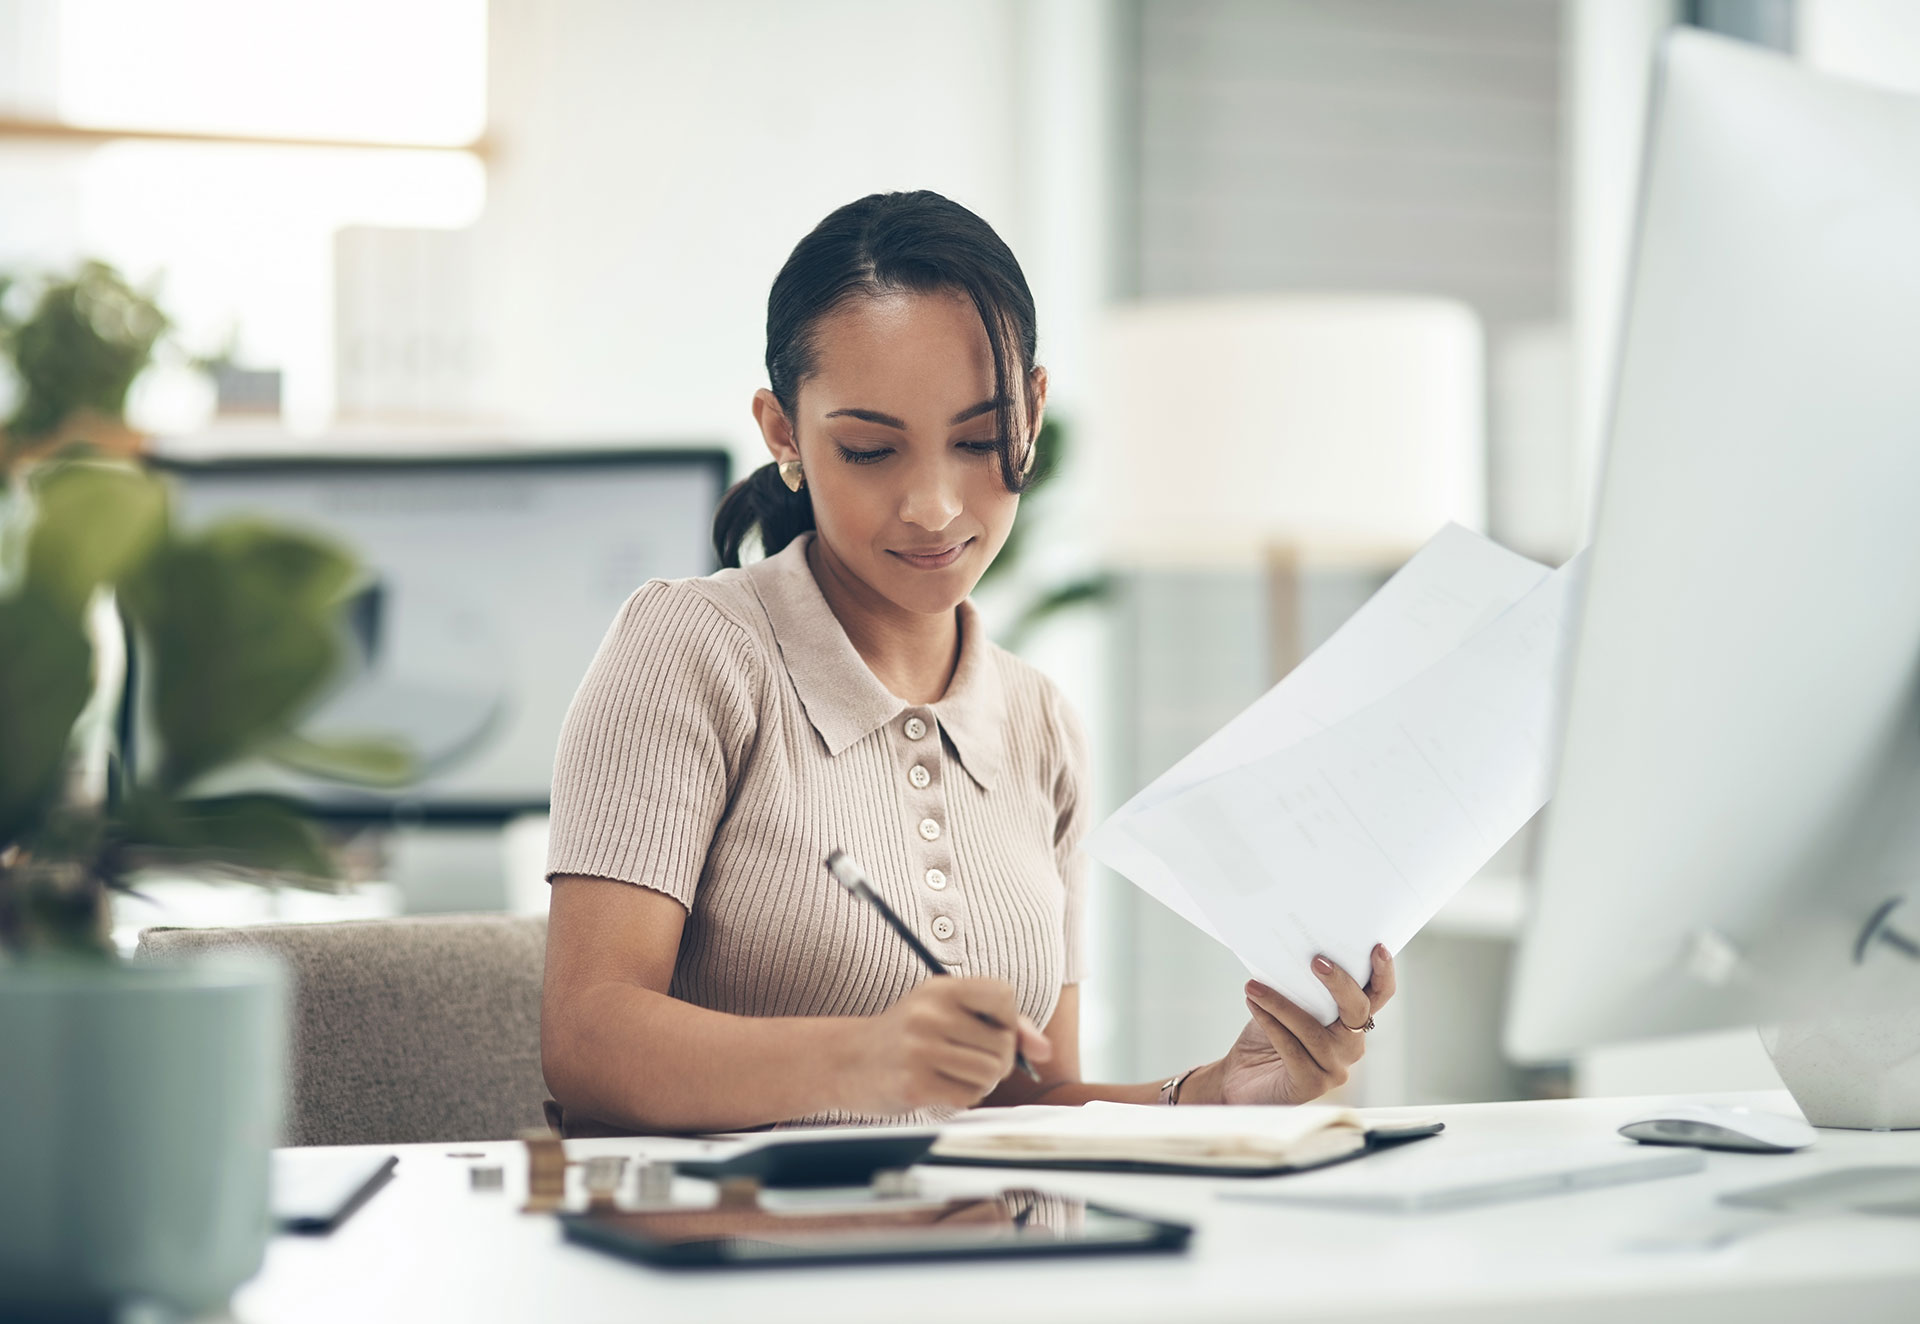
x,y
915,728
942,927
936,880
920,777
929,830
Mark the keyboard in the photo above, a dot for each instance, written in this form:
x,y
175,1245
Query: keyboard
x,y
1418,1181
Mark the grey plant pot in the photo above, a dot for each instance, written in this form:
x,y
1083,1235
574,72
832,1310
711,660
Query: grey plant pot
x,y
1861,1072
138,1107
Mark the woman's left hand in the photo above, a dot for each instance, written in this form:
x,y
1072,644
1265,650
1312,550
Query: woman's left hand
x,y
1285,1055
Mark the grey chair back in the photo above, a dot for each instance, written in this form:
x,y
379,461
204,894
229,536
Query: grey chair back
x,y
425,1028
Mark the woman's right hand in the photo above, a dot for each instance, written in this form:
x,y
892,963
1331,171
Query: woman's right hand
x,y
932,1049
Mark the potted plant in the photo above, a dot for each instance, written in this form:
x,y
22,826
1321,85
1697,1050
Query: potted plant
x,y
139,1100
75,355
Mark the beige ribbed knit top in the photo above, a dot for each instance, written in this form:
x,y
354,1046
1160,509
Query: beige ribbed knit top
x,y
727,736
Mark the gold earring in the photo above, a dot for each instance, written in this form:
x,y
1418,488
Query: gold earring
x,y
792,476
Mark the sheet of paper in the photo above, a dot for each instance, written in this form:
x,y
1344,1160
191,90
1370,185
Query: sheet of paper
x,y
1454,585
1359,832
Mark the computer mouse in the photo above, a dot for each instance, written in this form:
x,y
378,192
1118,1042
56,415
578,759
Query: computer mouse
x,y
1707,1126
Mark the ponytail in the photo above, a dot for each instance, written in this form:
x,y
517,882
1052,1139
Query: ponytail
x,y
760,501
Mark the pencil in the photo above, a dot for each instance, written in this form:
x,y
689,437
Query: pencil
x,y
847,872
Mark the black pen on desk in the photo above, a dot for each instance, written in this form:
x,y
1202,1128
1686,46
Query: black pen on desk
x,y
847,872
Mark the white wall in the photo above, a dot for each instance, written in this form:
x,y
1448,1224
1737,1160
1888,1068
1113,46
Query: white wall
x,y
1686,1064
1876,41
658,160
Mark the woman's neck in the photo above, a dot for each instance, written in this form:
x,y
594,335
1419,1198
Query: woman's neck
x,y
912,654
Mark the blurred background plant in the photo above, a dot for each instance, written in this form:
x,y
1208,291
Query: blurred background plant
x,y
1008,570
76,345
238,632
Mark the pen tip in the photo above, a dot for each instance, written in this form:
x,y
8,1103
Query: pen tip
x,y
842,869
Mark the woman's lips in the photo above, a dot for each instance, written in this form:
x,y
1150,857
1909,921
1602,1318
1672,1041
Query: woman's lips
x,y
934,560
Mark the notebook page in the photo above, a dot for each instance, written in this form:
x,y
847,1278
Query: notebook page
x,y
1135,1132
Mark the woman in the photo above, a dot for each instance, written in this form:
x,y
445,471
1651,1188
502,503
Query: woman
x,y
703,971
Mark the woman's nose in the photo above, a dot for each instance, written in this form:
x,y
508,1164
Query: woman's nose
x,y
932,499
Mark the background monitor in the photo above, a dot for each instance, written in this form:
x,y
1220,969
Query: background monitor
x,y
1740,772
492,579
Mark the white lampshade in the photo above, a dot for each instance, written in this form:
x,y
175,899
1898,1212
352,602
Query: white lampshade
x,y
1227,426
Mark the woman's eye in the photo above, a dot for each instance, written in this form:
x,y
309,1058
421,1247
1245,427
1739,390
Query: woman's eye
x,y
864,457
981,447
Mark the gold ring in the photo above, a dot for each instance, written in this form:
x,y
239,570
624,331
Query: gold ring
x,y
1362,1029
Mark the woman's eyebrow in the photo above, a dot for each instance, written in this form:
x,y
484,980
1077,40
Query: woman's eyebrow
x,y
889,421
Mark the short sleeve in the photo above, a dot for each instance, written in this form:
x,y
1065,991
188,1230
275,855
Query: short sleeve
x,y
653,743
1072,804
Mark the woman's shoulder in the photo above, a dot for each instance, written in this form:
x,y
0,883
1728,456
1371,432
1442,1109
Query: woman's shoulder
x,y
1036,701
715,616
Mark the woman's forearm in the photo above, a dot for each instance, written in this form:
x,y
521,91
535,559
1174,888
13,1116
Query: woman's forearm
x,y
629,1056
1200,1086
1074,1092
1062,1084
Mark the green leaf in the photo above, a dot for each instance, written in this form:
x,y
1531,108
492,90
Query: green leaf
x,y
93,522
367,760
259,833
240,625
312,571
46,677
1050,451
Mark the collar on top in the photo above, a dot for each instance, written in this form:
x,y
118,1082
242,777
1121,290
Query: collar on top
x,y
844,699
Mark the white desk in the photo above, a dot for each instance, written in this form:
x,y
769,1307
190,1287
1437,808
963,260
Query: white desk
x,y
429,1248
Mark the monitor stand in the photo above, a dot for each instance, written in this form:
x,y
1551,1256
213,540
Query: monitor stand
x,y
1862,1073
1859,1072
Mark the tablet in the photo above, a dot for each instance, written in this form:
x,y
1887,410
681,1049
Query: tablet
x,y
1013,1223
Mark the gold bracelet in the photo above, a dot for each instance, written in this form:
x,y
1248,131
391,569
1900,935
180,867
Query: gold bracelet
x,y
1170,1089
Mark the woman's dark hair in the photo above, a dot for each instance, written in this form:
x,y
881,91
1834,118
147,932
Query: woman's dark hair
x,y
885,242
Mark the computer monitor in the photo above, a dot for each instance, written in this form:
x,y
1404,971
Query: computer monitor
x,y
492,578
1732,840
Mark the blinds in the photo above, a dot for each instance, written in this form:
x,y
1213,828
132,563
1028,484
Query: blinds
x,y
1349,145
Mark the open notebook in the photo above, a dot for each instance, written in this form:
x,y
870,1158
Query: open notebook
x,y
1124,1137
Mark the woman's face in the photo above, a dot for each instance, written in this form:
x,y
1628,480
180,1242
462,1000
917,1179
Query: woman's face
x,y
895,431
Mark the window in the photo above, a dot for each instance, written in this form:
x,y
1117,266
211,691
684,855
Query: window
x,y
219,146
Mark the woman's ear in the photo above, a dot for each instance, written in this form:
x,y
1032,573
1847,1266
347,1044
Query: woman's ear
x,y
776,429
1036,414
